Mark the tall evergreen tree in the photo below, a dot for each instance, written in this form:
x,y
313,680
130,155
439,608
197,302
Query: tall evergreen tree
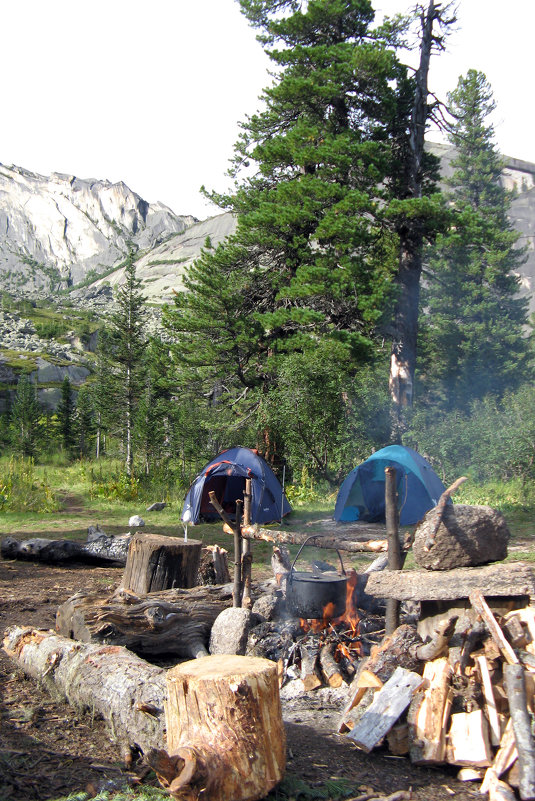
x,y
474,322
84,422
65,414
25,418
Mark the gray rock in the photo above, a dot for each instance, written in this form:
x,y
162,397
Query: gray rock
x,y
467,536
156,507
136,521
268,606
230,631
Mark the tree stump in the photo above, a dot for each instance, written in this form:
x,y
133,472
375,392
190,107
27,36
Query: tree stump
x,y
157,563
225,735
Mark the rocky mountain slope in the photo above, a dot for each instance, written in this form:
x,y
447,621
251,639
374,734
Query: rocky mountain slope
x,y
59,231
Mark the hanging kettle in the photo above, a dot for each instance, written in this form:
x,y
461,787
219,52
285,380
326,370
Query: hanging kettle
x,y
309,595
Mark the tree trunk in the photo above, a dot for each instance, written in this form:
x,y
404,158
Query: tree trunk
x,y
101,549
225,734
161,563
172,622
342,543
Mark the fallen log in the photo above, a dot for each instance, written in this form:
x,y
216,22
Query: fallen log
x,y
225,734
109,680
349,543
173,621
99,549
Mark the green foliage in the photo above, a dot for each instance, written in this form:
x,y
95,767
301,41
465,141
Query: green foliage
x,y
139,793
120,487
25,419
304,491
22,491
293,788
65,415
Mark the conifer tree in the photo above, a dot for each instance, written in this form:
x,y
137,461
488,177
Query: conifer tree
x,y
65,414
84,428
25,418
474,322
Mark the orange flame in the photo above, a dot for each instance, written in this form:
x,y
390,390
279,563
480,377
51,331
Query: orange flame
x,y
349,617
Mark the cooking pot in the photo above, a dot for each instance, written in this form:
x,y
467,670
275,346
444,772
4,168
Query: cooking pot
x,y
307,594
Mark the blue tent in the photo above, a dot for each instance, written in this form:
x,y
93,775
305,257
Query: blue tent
x,y
225,475
362,495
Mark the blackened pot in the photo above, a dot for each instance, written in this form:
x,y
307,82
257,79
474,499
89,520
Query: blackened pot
x,y
308,595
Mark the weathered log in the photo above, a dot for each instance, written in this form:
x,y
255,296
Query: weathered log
x,y
98,550
173,621
525,744
428,715
388,704
512,579
225,735
161,563
124,689
349,543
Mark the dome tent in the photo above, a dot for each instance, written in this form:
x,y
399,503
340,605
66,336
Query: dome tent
x,y
225,475
362,495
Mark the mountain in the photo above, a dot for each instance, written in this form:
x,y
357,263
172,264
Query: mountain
x,y
58,231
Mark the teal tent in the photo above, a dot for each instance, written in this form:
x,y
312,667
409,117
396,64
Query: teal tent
x,y
362,495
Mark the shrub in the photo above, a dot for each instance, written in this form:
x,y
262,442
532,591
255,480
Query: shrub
x,y
21,491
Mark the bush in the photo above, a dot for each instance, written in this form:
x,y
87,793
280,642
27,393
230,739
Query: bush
x,y
21,491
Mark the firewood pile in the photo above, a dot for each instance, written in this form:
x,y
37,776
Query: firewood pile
x,y
469,706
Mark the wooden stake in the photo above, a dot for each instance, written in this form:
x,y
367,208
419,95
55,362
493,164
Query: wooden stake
x,y
392,535
247,557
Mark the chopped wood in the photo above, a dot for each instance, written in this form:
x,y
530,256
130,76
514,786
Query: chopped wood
x,y
516,634
439,640
398,739
480,605
510,580
329,667
500,791
388,704
527,616
525,744
468,742
469,775
435,515
225,734
490,702
158,563
504,758
368,679
428,714
309,667
343,543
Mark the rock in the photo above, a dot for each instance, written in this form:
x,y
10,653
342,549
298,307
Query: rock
x,y
268,606
230,631
156,507
136,521
467,536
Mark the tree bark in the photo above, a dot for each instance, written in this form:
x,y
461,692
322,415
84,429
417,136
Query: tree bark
x,y
161,563
394,555
525,744
175,621
101,550
225,734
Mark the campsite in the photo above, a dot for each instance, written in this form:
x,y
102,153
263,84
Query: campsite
x,y
52,749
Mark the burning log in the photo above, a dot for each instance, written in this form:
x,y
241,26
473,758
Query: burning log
x,y
174,621
225,735
329,667
161,563
309,671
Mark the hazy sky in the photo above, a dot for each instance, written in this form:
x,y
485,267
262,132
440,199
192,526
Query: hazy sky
x,y
152,93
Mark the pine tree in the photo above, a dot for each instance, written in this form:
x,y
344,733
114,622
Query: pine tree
x,y
84,422
474,321
25,418
65,414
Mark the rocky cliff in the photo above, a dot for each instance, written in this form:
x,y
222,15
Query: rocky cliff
x,y
59,231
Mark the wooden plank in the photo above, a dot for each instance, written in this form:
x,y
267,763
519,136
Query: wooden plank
x,y
480,605
428,714
514,579
388,704
490,702
468,742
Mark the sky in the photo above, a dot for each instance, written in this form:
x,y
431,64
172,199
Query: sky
x,y
152,93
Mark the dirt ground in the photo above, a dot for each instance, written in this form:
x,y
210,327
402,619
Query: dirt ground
x,y
48,750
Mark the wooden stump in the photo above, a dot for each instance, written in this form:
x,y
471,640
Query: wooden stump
x,y
225,734
161,563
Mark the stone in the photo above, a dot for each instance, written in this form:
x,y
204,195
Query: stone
x,y
230,631
136,521
156,507
467,536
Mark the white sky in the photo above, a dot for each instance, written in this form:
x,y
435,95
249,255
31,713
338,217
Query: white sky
x,y
152,93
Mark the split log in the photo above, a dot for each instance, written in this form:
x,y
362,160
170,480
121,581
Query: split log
x,y
330,668
161,563
468,742
309,670
480,605
174,622
516,694
98,550
124,689
428,715
527,618
490,703
225,734
505,757
388,704
500,791
350,543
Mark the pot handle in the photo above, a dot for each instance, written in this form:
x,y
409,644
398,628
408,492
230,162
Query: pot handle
x,y
314,537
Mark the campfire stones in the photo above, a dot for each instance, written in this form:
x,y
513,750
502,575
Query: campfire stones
x,y
466,537
230,631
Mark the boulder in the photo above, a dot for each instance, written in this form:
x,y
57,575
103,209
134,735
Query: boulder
x,y
467,536
156,507
230,631
136,521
